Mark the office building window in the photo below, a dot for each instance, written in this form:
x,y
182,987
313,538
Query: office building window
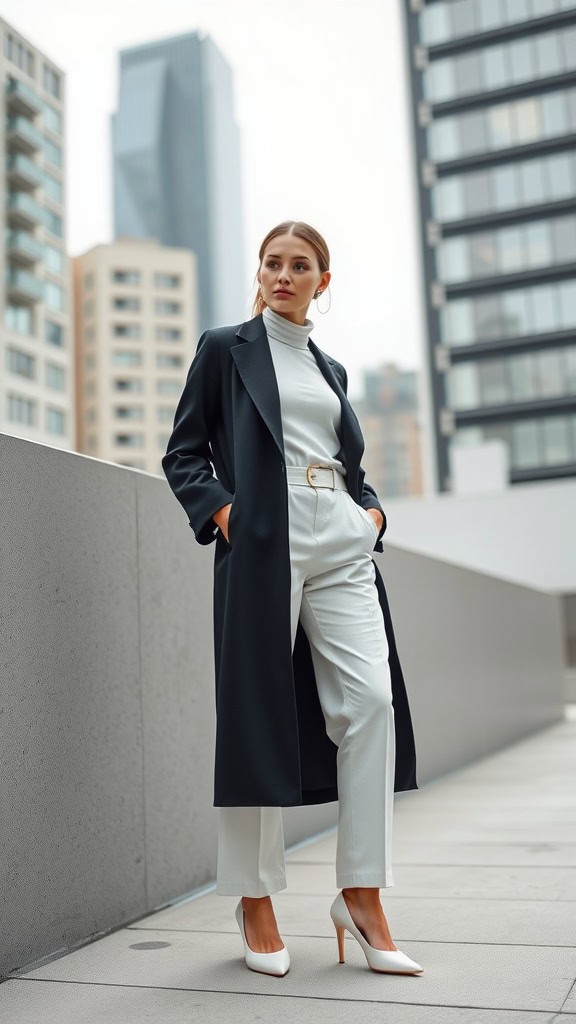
x,y
51,82
126,358
525,451
19,54
55,421
165,414
557,447
532,443
54,333
127,330
164,307
129,440
168,387
500,66
164,280
55,377
54,259
52,152
21,410
538,309
523,377
53,222
18,318
52,188
168,334
126,302
504,125
126,276
462,386
52,119
512,186
20,363
123,384
452,19
129,412
509,250
53,295
165,361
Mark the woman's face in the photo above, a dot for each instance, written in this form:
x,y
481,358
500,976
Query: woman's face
x,y
290,265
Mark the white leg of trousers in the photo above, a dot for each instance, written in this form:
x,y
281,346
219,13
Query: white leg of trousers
x,y
334,595
250,851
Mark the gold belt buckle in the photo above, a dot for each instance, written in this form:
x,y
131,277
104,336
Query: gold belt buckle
x,y
317,465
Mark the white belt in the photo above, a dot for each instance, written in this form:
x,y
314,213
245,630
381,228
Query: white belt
x,y
316,475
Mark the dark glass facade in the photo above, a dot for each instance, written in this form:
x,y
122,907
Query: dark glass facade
x,y
494,101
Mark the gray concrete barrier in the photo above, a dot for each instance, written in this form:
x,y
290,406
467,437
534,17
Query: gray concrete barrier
x,y
107,692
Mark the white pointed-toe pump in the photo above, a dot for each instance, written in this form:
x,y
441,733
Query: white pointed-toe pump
x,y
276,962
385,961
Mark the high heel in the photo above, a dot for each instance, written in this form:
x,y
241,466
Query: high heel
x,y
276,962
385,961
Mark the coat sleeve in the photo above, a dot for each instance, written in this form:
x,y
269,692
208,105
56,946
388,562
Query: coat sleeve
x,y
368,496
187,463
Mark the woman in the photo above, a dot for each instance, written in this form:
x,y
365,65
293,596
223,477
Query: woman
x,y
310,699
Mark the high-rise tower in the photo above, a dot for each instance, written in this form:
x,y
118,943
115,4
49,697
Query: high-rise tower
x,y
494,103
176,164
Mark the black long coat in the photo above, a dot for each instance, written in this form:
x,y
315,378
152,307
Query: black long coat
x,y
272,748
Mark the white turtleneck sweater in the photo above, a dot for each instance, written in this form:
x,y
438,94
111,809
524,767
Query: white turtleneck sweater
x,y
310,408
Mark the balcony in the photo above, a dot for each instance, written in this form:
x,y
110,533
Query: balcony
x,y
21,286
23,210
22,172
22,135
20,245
22,99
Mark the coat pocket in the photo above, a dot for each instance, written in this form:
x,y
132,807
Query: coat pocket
x,y
366,515
230,526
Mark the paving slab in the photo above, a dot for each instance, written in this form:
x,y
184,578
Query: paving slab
x,y
546,923
23,1002
536,854
424,881
463,974
484,898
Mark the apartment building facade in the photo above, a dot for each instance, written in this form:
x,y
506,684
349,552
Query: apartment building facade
x,y
494,125
389,416
136,331
36,376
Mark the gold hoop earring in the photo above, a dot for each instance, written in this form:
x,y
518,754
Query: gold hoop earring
x,y
329,298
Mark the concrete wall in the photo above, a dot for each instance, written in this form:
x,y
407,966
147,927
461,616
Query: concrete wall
x,y
107,697
523,533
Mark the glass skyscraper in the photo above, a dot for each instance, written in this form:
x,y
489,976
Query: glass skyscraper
x,y
176,164
494,104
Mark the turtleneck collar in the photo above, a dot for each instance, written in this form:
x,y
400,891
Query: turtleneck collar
x,y
281,329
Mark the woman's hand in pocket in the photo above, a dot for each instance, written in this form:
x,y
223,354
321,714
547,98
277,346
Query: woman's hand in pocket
x,y
221,518
377,516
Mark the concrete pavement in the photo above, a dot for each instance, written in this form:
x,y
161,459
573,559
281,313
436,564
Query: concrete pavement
x,y
484,898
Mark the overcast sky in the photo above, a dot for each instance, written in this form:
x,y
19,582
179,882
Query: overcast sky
x,y
322,106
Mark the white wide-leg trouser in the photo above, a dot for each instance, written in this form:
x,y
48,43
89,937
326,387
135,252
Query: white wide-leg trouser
x,y
334,595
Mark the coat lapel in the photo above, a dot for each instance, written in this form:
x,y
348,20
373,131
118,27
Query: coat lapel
x,y
254,362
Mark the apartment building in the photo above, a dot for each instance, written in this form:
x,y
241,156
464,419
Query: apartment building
x,y
389,416
494,124
136,331
36,375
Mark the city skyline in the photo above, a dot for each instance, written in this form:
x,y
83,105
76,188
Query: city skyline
x,y
375,313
